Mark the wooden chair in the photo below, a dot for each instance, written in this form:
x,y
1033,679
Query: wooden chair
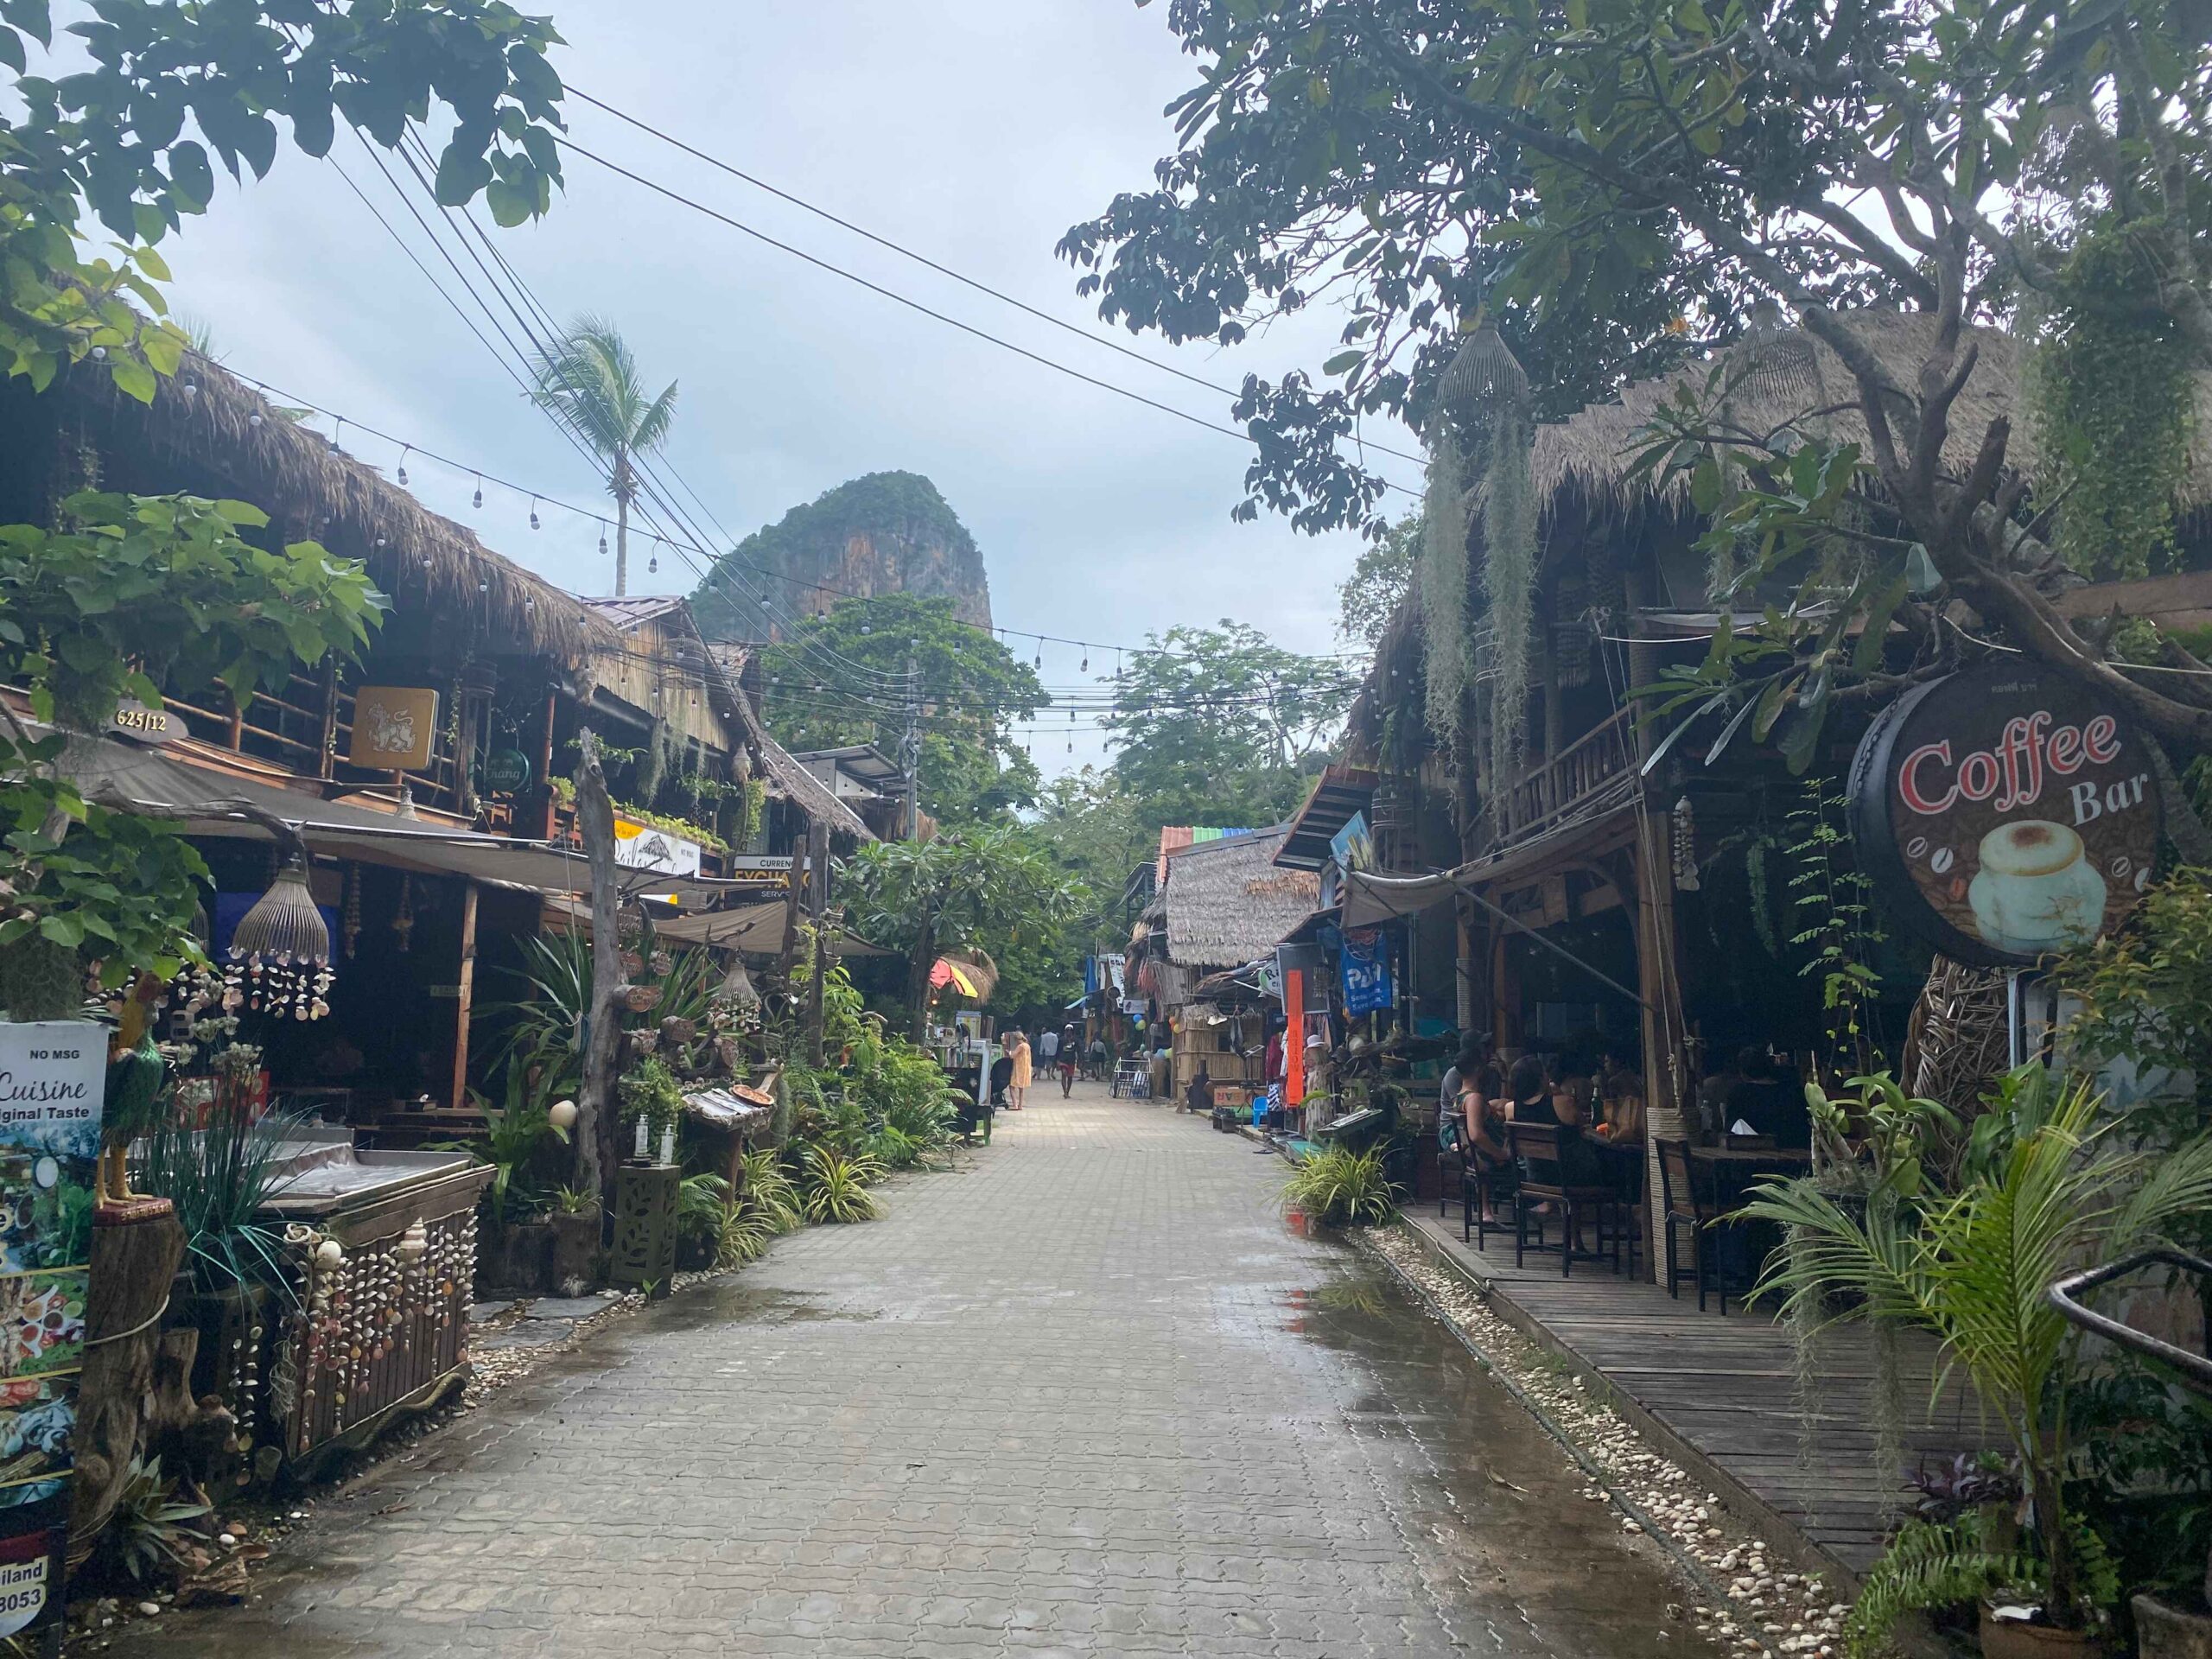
x,y
1452,1164
1685,1207
1503,1181
1537,1146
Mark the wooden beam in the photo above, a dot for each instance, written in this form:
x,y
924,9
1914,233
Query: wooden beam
x,y
466,999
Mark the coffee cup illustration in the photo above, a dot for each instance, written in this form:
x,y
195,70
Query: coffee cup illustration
x,y
2036,889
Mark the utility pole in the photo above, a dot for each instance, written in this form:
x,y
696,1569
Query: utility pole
x,y
910,748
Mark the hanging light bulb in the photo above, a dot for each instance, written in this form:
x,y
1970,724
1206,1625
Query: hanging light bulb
x,y
602,540
533,512
1085,669
1040,651
254,420
191,389
653,563
405,450
478,500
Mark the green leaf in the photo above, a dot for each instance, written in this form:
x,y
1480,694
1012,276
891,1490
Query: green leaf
x,y
510,203
1344,362
132,379
241,512
64,928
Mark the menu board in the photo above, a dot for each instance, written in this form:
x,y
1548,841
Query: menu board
x,y
53,1078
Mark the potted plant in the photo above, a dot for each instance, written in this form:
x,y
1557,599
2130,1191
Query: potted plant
x,y
515,1132
2043,1190
573,1220
1337,1187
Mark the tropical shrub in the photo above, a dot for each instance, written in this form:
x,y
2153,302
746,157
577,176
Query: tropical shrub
x,y
769,1190
1340,1187
834,1185
217,1179
2046,1189
724,1229
147,1534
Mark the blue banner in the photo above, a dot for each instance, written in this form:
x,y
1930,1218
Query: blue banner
x,y
1363,964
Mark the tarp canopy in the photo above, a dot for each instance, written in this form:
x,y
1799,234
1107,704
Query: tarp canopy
x,y
1369,899
757,929
122,776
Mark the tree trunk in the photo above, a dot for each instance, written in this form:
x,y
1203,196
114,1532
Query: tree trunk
x,y
818,895
597,1154
135,1253
621,525
918,979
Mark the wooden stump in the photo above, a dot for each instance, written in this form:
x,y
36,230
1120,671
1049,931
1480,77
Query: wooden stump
x,y
136,1249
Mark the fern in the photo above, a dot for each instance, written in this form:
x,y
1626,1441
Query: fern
x,y
1341,1187
1928,1566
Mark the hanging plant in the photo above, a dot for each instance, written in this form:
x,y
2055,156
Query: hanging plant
x,y
1508,508
2112,393
1442,578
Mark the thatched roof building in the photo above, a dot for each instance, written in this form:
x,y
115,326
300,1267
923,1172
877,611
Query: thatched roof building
x,y
209,432
1225,902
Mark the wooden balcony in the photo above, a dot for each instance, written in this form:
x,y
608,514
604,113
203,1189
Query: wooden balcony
x,y
1551,790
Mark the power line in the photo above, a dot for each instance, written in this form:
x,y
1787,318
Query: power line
x,y
916,305
925,261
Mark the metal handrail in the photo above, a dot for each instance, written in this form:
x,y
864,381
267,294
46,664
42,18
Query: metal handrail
x,y
2065,1295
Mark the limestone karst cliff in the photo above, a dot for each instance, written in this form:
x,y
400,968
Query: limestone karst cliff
x,y
881,533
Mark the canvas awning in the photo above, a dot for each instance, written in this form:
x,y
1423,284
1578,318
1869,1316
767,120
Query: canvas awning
x,y
756,929
1369,899
202,802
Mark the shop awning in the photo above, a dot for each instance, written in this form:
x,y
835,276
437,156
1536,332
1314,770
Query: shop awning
x,y
1369,899
756,929
1339,794
203,803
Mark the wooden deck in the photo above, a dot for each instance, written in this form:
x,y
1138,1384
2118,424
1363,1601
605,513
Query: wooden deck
x,y
1716,1394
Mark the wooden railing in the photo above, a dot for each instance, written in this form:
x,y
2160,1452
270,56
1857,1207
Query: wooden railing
x,y
1552,789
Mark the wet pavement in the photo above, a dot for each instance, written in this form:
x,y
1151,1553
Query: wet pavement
x,y
1086,1396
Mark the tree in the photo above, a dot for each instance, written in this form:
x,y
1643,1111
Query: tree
x,y
1217,725
109,143
589,381
1381,578
841,678
1615,184
1097,834
132,593
985,887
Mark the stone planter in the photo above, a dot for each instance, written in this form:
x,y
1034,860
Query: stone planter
x,y
2167,1632
2007,1639
521,1258
575,1248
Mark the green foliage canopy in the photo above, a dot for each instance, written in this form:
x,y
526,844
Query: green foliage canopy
x,y
1220,726
971,690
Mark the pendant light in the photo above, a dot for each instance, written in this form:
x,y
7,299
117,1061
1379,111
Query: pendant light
x,y
404,451
533,512
279,954
477,501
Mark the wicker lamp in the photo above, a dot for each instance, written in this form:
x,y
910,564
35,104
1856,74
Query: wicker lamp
x,y
280,951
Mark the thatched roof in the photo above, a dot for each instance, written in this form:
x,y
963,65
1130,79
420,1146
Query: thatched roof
x,y
1793,377
312,489
1225,902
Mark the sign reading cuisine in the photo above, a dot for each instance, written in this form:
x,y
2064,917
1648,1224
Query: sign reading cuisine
x,y
2005,813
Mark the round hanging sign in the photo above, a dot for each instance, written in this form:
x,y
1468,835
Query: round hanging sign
x,y
506,771
2005,814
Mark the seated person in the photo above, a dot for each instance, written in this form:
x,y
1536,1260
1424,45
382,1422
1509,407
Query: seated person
x,y
1770,1106
1199,1097
1537,1099
1620,1092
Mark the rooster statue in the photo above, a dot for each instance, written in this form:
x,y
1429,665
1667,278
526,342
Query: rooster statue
x,y
137,1091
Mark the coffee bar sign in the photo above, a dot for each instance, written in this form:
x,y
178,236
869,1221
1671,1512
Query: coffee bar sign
x,y
2006,814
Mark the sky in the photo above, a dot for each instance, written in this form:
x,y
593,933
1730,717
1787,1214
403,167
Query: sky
x,y
975,132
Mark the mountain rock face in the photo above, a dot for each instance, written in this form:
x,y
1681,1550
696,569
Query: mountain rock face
x,y
881,533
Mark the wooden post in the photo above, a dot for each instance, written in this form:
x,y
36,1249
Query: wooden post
x,y
135,1253
235,737
817,892
597,1154
1658,972
800,854
467,997
326,757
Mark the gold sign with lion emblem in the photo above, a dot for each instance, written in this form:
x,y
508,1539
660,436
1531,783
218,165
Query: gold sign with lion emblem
x,y
393,728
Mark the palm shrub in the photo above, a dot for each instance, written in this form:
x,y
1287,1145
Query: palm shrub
x,y
730,1231
149,1531
1341,1187
834,1185
2047,1191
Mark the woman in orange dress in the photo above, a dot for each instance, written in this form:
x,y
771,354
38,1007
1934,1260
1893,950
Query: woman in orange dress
x,y
1017,1050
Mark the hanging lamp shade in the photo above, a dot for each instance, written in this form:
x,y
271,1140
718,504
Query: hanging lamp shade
x,y
1773,359
1483,376
284,926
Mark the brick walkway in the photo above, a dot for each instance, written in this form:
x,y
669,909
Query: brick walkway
x,y
1086,1396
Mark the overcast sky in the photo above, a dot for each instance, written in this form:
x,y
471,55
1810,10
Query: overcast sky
x,y
973,130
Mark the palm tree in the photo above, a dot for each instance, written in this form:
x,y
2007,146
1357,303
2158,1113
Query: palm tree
x,y
589,381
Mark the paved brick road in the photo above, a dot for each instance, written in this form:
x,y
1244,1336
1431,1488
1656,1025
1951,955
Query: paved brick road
x,y
1087,1397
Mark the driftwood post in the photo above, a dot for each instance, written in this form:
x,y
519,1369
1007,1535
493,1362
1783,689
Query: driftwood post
x,y
597,1154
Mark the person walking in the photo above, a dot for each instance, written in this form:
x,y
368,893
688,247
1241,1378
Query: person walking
x,y
1017,1050
1071,1054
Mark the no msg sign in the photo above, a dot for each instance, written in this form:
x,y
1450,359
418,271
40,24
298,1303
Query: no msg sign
x,y
2006,814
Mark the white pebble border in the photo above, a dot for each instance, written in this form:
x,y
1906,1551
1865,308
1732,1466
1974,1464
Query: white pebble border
x,y
1751,1604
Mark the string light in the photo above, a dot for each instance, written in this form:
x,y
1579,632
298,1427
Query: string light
x,y
653,564
479,499
405,450
533,512
602,540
